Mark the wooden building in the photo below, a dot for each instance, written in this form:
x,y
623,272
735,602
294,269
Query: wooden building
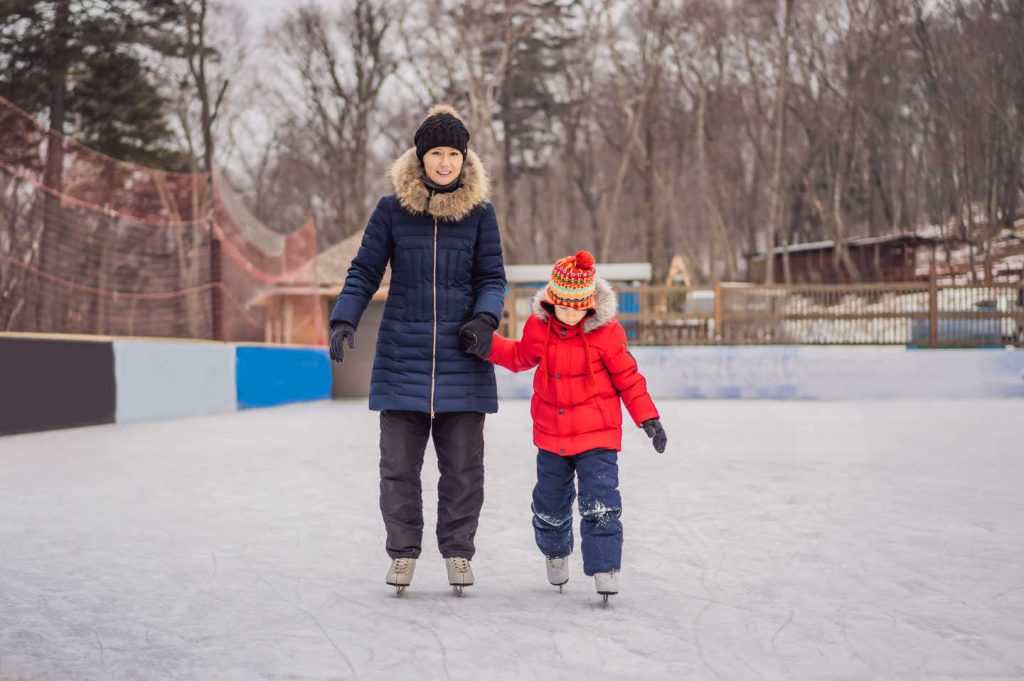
x,y
297,310
877,259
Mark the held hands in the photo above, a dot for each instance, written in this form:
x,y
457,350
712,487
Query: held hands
x,y
342,331
654,430
476,334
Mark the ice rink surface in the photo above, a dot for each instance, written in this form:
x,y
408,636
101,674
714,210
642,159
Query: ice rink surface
x,y
773,540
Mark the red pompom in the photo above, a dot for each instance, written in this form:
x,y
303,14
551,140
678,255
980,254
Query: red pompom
x,y
584,260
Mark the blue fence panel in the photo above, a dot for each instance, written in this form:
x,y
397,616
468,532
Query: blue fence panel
x,y
958,332
629,301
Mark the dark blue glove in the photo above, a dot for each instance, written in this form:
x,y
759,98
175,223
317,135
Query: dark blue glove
x,y
654,431
476,334
341,331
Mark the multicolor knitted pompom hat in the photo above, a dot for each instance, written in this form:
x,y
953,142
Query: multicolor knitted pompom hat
x,y
572,282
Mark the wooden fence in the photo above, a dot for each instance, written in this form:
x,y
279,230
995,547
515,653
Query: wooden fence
x,y
924,314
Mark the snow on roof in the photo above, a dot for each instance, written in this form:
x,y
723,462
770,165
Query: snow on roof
x,y
611,271
857,241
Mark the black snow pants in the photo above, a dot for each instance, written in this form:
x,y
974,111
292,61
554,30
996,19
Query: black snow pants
x,y
459,442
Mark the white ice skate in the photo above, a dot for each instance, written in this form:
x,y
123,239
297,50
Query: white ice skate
x,y
558,571
459,573
400,574
607,584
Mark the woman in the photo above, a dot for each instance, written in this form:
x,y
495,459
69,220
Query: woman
x,y
440,234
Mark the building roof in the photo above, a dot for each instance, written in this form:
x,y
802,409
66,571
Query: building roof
x,y
332,264
324,276
612,271
857,242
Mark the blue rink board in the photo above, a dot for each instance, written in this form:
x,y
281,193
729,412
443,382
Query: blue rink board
x,y
272,376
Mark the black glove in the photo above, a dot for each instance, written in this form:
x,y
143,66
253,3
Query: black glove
x,y
340,332
654,430
477,333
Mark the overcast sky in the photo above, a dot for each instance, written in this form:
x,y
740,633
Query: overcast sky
x,y
263,11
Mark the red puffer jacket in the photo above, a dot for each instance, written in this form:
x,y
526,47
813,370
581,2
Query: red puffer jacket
x,y
584,371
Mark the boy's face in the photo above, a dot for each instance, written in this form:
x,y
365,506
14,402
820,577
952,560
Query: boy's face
x,y
568,315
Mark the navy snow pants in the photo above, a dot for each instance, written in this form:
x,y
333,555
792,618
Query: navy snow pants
x,y
600,507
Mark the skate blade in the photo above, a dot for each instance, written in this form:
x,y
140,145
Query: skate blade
x,y
458,590
399,590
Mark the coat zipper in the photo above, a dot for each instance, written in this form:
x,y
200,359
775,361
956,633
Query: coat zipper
x,y
433,354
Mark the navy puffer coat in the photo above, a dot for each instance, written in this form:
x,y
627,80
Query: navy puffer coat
x,y
446,266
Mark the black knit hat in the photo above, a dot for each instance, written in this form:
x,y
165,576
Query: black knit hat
x,y
443,127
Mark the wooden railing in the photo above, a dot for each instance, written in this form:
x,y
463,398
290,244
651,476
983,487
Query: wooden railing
x,y
922,314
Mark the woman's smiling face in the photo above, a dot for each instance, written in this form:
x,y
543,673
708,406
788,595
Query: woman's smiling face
x,y
442,164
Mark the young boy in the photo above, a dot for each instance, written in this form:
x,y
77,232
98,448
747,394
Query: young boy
x,y
585,369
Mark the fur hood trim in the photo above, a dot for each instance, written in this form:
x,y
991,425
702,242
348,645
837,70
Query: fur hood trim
x,y
407,179
606,305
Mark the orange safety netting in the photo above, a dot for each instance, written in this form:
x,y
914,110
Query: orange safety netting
x,y
90,244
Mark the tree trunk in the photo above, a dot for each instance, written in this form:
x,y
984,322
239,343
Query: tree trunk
x,y
189,263
709,189
781,68
52,312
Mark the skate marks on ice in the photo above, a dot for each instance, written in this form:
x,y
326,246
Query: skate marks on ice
x,y
772,540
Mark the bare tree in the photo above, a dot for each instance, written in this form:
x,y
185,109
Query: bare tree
x,y
701,128
775,213
341,62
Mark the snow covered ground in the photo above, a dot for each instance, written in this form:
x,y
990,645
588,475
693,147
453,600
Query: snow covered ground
x,y
773,540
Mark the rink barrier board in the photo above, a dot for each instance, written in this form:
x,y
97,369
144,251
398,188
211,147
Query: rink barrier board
x,y
47,384
268,376
50,381
162,380
797,372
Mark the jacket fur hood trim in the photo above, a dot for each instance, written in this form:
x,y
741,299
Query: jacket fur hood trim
x,y
407,179
606,305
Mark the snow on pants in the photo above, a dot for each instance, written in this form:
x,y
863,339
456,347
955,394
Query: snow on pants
x,y
600,507
459,442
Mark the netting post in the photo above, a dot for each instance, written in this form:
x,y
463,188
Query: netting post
x,y
933,311
216,305
719,332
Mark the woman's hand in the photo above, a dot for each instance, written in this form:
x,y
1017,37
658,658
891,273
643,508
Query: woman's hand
x,y
342,331
477,333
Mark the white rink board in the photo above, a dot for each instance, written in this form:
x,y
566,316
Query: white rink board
x,y
815,373
162,380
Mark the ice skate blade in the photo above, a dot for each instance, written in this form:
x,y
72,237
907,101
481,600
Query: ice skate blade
x,y
458,590
604,600
399,590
